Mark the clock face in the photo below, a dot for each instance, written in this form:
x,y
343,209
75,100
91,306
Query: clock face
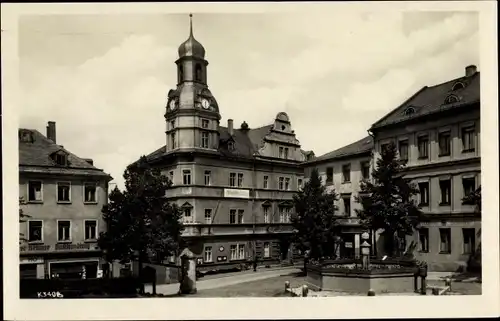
x,y
221,248
205,103
173,104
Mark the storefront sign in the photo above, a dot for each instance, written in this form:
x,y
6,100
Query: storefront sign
x,y
348,244
71,246
34,248
236,193
31,260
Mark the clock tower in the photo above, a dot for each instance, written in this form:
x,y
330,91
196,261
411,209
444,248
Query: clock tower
x,y
192,114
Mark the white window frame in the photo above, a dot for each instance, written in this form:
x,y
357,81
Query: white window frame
x,y
265,182
281,211
210,216
234,184
85,184
190,176
28,231
235,215
287,183
208,174
70,232
28,190
300,181
344,180
281,183
235,247
205,252
69,193
85,229
205,138
449,240
266,214
242,212
184,217
241,254
238,182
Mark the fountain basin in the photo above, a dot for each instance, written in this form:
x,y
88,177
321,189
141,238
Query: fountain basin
x,y
388,276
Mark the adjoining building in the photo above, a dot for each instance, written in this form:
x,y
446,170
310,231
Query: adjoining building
x,y
342,170
234,185
437,133
63,196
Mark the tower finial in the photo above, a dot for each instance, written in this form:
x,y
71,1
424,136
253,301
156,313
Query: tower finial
x,y
191,24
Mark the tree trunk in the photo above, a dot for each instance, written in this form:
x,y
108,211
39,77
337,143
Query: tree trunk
x,y
141,276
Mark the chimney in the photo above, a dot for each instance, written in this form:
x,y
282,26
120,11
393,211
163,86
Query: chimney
x,y
470,70
230,127
51,131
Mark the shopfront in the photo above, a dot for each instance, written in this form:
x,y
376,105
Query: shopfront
x,y
87,269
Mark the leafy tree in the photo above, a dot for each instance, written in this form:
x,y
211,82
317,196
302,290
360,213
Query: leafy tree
x,y
22,219
141,224
388,203
316,227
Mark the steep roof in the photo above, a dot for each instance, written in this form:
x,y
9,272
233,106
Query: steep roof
x,y
35,151
246,142
430,100
362,146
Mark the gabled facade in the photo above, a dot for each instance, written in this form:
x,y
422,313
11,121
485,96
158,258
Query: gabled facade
x,y
234,185
437,132
62,195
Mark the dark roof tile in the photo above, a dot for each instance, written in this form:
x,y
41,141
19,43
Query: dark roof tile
x,y
364,145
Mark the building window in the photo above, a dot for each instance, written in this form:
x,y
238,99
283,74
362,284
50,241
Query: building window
x,y
424,193
232,179
241,251
286,153
281,183
299,183
207,254
207,178
240,179
281,211
423,146
288,214
423,237
468,139
172,140
346,173
197,72
230,145
347,204
35,191
469,184
365,170
35,231
287,183
63,231
267,249
329,176
232,216
266,215
91,230
187,215
208,216
171,176
204,140
63,192
403,150
90,193
445,240
444,143
186,177
240,216
469,236
266,182
445,186
61,159
281,152
204,123
384,147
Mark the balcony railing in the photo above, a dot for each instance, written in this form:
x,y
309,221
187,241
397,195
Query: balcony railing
x,y
197,230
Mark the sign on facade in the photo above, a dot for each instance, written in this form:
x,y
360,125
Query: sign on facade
x,y
236,193
71,246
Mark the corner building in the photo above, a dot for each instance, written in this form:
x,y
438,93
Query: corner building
x,y
234,185
437,133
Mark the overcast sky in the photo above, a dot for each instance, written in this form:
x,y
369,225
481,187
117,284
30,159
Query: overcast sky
x,y
104,78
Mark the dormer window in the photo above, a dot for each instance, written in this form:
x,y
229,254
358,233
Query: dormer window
x,y
451,99
230,145
457,86
409,111
60,158
26,136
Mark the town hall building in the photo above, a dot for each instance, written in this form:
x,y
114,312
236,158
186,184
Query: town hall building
x,y
234,184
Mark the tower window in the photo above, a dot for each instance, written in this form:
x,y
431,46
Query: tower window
x,y
181,73
204,139
197,75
